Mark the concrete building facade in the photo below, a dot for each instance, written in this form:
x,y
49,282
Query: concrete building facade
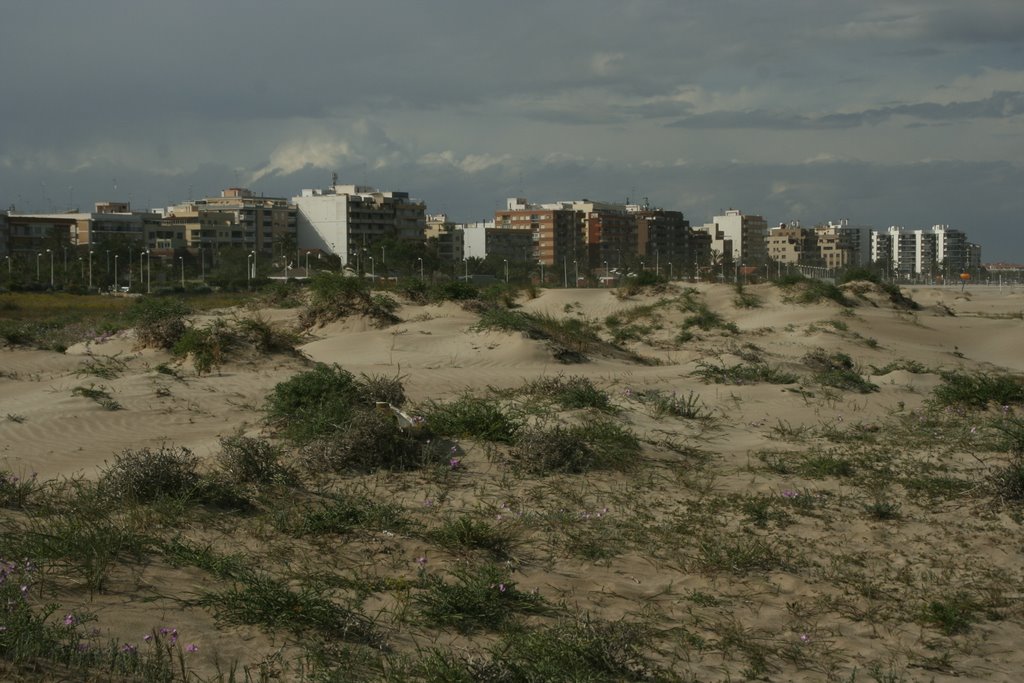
x,y
739,237
350,220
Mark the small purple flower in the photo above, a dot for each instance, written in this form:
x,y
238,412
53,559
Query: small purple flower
x,y
69,619
789,493
804,638
164,630
455,463
429,502
502,587
191,647
129,649
453,450
147,637
421,561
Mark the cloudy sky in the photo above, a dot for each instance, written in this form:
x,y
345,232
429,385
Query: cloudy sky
x,y
894,112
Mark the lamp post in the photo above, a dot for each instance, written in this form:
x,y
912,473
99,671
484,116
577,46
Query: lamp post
x,y
181,260
307,265
38,256
670,273
50,252
576,271
605,281
149,273
248,271
565,272
129,267
106,273
142,253
541,272
420,259
657,262
373,272
90,270
8,267
202,265
81,269
116,283
506,271
65,247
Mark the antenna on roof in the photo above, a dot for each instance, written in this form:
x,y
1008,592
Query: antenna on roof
x,y
334,178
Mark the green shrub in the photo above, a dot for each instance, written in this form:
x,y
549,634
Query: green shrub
x,y
334,296
381,388
266,337
144,475
979,390
570,392
473,417
371,440
600,445
159,321
315,403
247,460
208,346
837,370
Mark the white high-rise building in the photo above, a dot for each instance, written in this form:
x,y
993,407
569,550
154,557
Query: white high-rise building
x,y
349,220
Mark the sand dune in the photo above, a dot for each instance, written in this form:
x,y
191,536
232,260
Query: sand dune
x,y
439,354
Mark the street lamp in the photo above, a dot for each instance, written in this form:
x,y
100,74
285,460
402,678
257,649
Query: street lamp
x,y
202,265
38,256
90,270
181,260
129,267
506,271
115,272
373,272
8,267
81,269
420,259
670,273
248,270
106,273
307,264
576,269
50,252
149,273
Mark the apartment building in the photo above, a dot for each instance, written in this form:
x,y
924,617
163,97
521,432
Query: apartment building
x,y
237,218
790,243
950,249
739,237
555,229
663,237
348,220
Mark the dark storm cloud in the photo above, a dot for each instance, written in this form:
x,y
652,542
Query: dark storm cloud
x,y
1000,105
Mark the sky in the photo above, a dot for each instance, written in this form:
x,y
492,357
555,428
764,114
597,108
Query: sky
x,y
894,112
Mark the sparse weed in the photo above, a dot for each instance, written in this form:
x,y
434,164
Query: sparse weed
x,y
464,533
742,373
98,394
481,597
574,449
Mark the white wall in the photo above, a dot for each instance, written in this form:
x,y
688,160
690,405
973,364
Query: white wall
x,y
322,223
